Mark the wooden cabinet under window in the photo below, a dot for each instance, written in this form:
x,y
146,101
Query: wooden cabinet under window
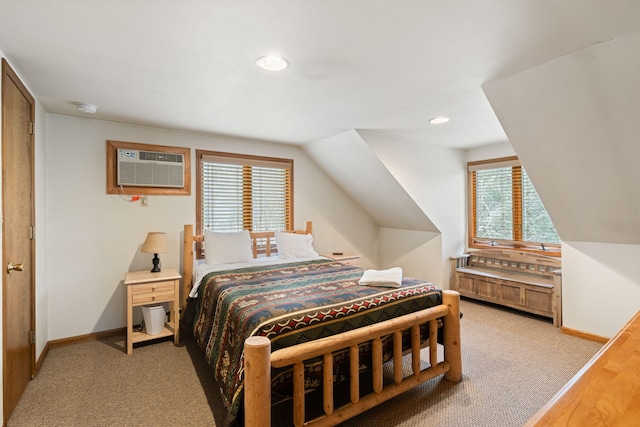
x,y
520,280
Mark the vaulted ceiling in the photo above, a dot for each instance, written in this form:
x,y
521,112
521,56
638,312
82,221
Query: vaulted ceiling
x,y
377,65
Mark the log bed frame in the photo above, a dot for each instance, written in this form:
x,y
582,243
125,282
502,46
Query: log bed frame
x,y
188,251
258,359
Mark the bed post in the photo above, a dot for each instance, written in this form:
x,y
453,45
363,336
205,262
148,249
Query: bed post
x,y
257,382
187,264
452,352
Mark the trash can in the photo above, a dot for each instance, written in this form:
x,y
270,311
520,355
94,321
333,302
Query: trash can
x,y
154,317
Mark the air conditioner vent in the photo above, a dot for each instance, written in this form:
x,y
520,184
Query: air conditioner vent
x,y
159,157
150,169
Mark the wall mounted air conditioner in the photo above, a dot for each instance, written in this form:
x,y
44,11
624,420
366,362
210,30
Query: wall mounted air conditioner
x,y
140,168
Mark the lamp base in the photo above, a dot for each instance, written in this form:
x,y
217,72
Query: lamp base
x,y
156,262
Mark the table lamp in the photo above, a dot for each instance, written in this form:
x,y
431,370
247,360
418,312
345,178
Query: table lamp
x,y
155,243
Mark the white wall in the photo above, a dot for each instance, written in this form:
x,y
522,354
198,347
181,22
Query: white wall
x,y
600,286
493,151
573,122
348,159
419,253
435,179
94,238
401,185
406,234
42,287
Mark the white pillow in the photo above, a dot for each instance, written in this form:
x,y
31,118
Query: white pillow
x,y
291,245
227,248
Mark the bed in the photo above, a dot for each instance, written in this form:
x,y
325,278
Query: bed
x,y
296,334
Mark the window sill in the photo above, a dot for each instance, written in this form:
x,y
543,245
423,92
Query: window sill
x,y
550,250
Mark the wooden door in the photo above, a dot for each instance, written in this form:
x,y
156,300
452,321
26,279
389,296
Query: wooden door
x,y
18,246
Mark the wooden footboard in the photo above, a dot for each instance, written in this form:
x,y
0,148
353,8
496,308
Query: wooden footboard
x,y
259,360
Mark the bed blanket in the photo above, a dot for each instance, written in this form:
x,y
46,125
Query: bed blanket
x,y
290,304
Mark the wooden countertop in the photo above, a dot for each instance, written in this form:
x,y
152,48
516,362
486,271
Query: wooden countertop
x,y
606,391
135,277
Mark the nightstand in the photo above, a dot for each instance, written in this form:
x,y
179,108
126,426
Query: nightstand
x,y
144,288
351,259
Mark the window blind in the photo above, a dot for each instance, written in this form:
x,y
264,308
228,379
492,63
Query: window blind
x,y
245,192
536,223
494,204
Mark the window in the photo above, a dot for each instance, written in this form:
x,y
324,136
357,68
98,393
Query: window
x,y
240,192
505,211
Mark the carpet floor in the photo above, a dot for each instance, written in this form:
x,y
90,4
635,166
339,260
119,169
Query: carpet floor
x,y
513,364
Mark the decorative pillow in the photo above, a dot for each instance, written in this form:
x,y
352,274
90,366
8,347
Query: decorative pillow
x,y
291,245
227,248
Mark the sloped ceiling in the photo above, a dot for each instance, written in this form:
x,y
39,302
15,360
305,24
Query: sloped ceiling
x,y
355,167
376,65
574,123
381,65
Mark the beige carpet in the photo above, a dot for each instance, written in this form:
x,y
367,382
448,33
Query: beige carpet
x,y
512,365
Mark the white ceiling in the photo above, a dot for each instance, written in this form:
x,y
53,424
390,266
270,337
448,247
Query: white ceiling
x,y
386,66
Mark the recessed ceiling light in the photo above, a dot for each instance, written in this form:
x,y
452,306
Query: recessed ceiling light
x,y
439,120
86,108
272,63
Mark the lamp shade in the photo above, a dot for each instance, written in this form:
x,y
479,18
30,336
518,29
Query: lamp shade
x,y
155,243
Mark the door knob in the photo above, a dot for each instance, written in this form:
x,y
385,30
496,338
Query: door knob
x,y
16,267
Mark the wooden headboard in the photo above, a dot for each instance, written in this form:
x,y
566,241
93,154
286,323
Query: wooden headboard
x,y
188,252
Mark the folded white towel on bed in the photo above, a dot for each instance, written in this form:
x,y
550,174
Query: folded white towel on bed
x,y
391,278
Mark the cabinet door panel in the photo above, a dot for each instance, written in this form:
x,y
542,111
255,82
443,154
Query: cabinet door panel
x,y
487,288
538,300
510,293
466,284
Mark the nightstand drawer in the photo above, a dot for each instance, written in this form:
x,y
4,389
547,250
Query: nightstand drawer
x,y
152,287
157,296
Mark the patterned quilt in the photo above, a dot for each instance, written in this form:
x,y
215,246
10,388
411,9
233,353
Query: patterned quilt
x,y
289,304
